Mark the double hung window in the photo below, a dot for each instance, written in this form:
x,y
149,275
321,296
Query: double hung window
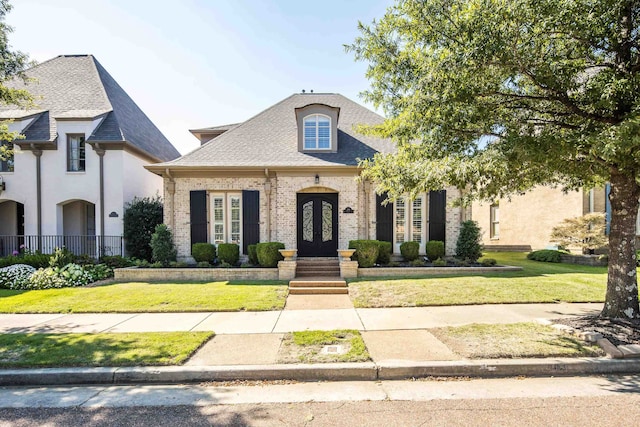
x,y
75,153
226,221
409,222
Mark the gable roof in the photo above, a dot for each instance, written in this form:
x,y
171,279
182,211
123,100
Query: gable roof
x,y
270,139
78,87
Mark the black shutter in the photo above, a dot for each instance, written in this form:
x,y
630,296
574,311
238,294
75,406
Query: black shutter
x,y
437,215
250,219
198,212
384,219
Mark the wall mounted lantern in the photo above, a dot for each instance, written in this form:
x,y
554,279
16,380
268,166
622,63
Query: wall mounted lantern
x,y
317,181
3,186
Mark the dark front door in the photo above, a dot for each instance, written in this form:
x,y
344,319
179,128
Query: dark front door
x,y
317,224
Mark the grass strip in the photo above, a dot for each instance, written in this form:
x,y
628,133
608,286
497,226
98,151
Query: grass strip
x,y
106,349
137,297
517,340
306,347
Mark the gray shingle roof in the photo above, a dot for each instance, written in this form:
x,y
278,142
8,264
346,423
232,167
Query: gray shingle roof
x,y
270,139
77,87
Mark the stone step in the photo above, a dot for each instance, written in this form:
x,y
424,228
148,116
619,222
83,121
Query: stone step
x,y
317,264
321,271
318,291
318,283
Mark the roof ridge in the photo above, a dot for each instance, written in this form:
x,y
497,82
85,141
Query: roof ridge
x,y
102,85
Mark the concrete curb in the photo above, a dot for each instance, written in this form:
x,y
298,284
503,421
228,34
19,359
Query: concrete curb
x,y
367,371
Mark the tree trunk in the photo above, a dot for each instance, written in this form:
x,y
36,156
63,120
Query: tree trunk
x,y
622,285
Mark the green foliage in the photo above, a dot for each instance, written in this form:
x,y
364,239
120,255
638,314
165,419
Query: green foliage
x,y
178,264
203,264
586,232
435,249
367,252
163,250
268,255
253,254
98,272
637,258
488,262
440,262
203,252
224,264
83,259
141,216
36,260
410,250
116,261
545,255
384,252
61,257
469,244
229,253
418,263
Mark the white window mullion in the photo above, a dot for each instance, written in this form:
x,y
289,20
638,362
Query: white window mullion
x,y
218,212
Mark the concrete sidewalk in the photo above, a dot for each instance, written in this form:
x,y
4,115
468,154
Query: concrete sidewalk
x,y
246,344
290,320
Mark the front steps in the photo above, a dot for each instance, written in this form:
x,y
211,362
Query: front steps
x,y
318,276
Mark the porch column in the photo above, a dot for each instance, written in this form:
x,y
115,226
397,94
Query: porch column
x,y
100,152
38,153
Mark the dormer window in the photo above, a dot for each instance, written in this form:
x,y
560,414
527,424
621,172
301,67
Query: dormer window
x,y
317,132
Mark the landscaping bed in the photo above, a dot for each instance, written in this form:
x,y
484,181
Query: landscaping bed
x,y
194,274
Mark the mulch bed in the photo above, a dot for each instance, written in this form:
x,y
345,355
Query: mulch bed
x,y
618,331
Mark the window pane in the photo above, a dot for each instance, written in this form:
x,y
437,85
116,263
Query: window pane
x,y
416,233
400,221
327,221
307,221
218,219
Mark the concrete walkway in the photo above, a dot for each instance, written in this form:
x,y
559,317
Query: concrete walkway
x,y
289,320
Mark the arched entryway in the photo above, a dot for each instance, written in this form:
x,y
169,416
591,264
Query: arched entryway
x,y
79,227
11,227
317,224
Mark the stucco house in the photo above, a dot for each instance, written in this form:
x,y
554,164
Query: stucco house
x,y
289,174
525,221
82,159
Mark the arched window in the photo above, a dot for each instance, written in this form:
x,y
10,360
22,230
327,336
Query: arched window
x,y
317,132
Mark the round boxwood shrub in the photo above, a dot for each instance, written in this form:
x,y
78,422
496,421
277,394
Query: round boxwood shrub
x,y
228,253
384,252
140,219
410,250
435,249
268,255
253,254
203,252
469,244
367,252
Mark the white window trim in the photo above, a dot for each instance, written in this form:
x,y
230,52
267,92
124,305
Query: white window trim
x,y
408,223
304,139
492,221
226,217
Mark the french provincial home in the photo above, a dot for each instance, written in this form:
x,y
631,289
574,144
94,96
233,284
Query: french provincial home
x,y
289,174
82,158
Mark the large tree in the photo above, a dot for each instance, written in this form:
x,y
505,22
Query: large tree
x,y
12,64
497,96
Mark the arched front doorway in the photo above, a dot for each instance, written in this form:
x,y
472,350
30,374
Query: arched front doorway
x,y
317,224
11,227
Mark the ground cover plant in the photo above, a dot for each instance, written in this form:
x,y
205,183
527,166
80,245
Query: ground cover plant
x,y
517,340
107,349
135,297
306,347
536,283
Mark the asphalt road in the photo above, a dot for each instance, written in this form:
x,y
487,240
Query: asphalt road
x,y
588,401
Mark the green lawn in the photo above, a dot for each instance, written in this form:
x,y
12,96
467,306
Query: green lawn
x,y
515,340
109,349
149,297
538,282
306,347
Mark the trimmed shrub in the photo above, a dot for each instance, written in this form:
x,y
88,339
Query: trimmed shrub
x,y
116,261
418,263
253,254
545,255
203,264
469,244
268,255
15,276
203,252
384,252
61,257
638,258
488,262
98,272
36,260
228,253
410,250
162,248
435,249
366,252
440,262
140,219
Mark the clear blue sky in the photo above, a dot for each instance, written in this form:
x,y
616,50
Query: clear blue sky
x,y
198,63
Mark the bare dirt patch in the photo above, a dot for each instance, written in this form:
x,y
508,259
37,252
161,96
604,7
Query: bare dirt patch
x,y
618,331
